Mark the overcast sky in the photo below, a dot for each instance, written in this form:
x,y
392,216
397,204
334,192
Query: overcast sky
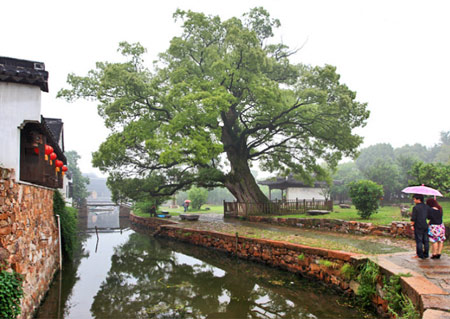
x,y
394,54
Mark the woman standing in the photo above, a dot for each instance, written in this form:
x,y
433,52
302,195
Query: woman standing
x,y
436,230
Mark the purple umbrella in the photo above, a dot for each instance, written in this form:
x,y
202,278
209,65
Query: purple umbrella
x,y
424,190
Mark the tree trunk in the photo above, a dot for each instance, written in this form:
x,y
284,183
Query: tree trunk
x,y
241,183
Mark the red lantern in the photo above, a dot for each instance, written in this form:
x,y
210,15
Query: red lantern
x,y
64,169
48,151
36,150
58,164
52,157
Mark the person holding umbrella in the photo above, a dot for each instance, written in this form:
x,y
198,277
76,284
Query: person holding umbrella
x,y
186,205
420,226
420,215
436,230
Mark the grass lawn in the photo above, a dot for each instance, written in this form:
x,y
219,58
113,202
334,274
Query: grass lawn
x,y
385,215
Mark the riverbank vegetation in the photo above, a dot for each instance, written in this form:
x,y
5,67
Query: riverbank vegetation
x,y
11,292
69,225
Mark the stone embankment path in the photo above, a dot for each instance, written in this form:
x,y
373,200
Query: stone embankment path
x,y
427,281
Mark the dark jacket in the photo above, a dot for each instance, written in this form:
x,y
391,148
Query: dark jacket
x,y
419,216
435,216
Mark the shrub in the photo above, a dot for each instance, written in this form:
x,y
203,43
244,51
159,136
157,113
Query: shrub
x,y
365,196
144,207
198,196
69,225
10,293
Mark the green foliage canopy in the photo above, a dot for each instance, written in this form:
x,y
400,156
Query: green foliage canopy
x,y
344,175
79,181
221,97
198,196
365,196
69,225
435,175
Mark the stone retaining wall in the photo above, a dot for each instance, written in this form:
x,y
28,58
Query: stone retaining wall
x,y
28,237
401,228
150,222
322,264
319,263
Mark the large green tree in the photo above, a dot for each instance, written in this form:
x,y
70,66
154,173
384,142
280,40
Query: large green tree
x,y
79,182
435,175
222,96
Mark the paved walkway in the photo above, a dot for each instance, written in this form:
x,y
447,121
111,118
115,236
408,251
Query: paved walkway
x,y
427,282
428,285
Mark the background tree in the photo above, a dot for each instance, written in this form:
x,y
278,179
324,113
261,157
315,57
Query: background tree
x,y
416,152
79,182
217,195
221,97
370,155
198,196
366,197
344,175
435,175
405,164
386,174
443,149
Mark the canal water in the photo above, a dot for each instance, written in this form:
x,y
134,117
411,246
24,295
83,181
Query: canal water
x,y
126,273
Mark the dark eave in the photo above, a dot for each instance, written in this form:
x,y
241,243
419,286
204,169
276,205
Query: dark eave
x,y
51,140
55,126
24,72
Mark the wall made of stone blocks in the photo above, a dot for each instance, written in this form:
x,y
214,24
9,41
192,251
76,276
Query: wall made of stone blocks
x,y
149,222
28,237
322,264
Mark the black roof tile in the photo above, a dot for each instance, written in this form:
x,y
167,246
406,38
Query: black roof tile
x,y
24,72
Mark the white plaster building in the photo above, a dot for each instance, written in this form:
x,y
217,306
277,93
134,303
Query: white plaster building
x,y
24,132
292,190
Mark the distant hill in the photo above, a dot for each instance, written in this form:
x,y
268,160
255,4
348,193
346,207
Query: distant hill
x,y
97,188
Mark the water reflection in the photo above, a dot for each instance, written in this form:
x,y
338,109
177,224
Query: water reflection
x,y
133,275
103,217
